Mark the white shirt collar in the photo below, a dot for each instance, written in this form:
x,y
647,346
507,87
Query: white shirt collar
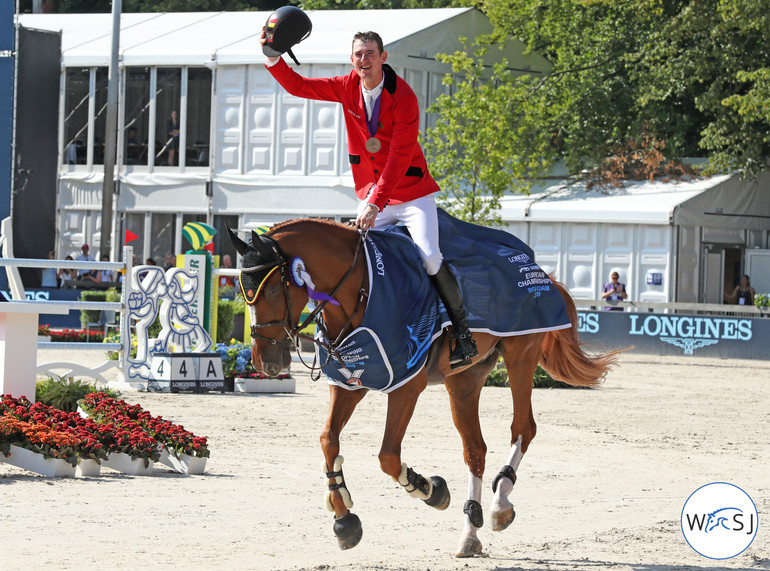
x,y
374,93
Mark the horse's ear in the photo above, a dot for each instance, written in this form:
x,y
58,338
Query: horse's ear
x,y
241,246
263,249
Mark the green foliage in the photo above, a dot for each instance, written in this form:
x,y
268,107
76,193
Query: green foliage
x,y
113,295
540,380
225,313
498,377
762,299
91,315
486,140
64,393
694,74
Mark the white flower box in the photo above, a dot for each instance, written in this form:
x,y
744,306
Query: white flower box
x,y
265,385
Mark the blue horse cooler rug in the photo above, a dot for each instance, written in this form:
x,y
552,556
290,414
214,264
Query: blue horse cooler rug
x,y
504,291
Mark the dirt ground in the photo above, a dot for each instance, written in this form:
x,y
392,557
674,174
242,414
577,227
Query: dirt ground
x,y
601,488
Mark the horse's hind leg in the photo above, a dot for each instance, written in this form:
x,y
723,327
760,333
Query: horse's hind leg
x,y
347,525
464,389
521,355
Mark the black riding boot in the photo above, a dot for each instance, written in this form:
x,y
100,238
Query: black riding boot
x,y
446,285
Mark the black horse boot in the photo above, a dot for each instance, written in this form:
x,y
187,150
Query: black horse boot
x,y
446,285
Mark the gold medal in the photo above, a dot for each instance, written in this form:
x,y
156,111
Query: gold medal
x,y
373,144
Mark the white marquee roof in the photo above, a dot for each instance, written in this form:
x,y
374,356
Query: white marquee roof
x,y
720,201
231,38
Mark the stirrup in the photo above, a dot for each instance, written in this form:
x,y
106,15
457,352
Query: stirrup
x,y
464,351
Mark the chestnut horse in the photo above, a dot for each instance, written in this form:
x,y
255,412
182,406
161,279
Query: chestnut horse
x,y
333,260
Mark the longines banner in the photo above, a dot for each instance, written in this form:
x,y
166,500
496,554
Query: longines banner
x,y
664,334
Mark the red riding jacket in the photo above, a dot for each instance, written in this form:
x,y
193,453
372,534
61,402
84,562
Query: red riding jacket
x,y
397,171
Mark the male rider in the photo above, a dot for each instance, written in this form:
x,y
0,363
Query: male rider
x,y
389,169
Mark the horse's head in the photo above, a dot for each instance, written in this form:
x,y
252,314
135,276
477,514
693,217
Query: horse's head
x,y
268,295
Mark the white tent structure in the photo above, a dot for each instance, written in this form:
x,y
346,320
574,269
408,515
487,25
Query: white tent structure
x,y
669,241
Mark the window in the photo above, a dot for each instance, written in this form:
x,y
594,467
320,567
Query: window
x,y
222,244
100,111
198,116
77,88
167,129
166,116
162,236
134,222
137,116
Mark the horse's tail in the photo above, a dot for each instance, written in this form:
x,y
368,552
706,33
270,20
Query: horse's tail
x,y
563,356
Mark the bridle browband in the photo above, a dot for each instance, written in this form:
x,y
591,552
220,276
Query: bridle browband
x,y
293,330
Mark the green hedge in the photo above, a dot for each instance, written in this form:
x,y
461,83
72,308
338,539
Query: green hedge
x,y
541,379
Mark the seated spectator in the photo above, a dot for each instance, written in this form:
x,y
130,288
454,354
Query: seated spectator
x,y
106,275
65,275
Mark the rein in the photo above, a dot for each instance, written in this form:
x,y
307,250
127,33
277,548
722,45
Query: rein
x,y
293,330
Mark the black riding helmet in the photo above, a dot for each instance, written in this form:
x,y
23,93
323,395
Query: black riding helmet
x,y
285,27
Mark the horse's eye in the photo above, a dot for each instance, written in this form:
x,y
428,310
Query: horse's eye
x,y
272,291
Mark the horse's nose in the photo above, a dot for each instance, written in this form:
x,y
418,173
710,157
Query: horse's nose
x,y
272,369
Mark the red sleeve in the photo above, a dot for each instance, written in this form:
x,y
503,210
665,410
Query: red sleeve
x,y
323,89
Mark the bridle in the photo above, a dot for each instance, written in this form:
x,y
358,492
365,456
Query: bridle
x,y
294,329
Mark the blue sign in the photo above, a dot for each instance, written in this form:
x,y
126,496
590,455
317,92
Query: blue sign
x,y
654,278
667,334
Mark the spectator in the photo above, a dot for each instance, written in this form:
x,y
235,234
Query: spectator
x,y
743,294
106,275
84,257
65,275
169,262
49,275
614,291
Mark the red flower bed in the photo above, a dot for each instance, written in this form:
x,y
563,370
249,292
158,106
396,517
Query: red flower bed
x,y
173,436
75,335
116,427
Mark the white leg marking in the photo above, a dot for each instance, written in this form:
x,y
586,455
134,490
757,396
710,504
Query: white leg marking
x,y
514,458
469,541
501,507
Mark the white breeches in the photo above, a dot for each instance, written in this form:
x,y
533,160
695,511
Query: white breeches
x,y
420,218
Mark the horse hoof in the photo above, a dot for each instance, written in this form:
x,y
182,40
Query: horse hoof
x,y
469,547
348,531
440,496
502,519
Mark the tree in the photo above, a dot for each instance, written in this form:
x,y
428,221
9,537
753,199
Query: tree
x,y
693,74
714,54
480,148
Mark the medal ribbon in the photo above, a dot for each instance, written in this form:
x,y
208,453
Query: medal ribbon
x,y
372,121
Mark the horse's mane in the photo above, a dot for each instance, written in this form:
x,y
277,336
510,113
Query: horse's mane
x,y
323,221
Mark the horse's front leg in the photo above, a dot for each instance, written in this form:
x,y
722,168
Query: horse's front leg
x,y
347,525
401,403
